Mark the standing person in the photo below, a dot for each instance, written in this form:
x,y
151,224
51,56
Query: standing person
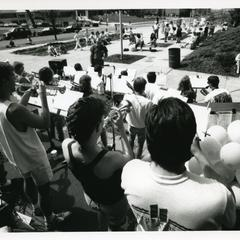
x,y
98,53
166,32
163,195
21,143
46,76
77,39
179,33
237,59
139,106
98,170
156,28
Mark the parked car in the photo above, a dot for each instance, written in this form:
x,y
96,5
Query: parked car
x,y
18,32
72,28
48,31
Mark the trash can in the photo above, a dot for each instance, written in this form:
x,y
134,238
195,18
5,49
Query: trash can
x,y
174,57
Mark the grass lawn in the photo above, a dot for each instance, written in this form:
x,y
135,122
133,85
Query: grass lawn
x,y
216,55
127,59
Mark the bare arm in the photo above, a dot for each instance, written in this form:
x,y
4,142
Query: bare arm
x,y
25,98
116,117
22,118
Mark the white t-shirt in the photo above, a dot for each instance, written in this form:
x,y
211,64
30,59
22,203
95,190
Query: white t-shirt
x,y
214,93
23,149
151,89
140,106
181,202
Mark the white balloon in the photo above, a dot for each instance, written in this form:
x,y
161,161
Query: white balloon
x,y
238,175
230,154
218,133
211,150
234,131
194,166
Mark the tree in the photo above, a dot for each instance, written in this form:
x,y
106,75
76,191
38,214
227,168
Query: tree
x,y
52,17
235,16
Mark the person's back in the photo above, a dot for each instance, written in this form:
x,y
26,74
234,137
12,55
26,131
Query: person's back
x,y
182,202
98,170
173,198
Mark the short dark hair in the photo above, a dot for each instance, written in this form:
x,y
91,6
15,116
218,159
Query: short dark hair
x,y
85,85
84,116
139,84
124,73
170,129
213,80
6,71
46,75
17,66
78,67
151,77
223,98
185,84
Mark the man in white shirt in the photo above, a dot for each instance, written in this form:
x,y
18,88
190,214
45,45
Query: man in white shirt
x,y
151,88
213,82
136,117
162,193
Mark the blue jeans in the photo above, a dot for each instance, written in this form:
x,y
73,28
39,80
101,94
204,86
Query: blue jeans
x,y
140,133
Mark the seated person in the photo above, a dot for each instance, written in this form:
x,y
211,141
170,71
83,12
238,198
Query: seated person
x,y
52,51
168,199
46,75
139,41
213,82
186,89
21,77
62,49
223,98
78,67
98,170
132,38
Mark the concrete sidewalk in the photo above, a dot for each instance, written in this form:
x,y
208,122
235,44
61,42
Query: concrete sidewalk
x,y
152,61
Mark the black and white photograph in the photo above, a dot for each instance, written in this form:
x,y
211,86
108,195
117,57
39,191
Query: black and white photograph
x,y
119,119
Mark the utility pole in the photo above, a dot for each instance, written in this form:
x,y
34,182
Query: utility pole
x,y
121,37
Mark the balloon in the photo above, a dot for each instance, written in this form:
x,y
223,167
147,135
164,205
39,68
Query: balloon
x,y
211,150
236,190
238,175
230,154
194,166
234,131
218,133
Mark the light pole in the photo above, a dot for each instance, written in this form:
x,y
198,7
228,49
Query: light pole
x,y
121,37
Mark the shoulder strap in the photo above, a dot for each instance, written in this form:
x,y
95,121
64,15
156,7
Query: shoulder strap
x,y
69,146
98,157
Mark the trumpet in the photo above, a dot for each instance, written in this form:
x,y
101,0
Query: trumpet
x,y
61,89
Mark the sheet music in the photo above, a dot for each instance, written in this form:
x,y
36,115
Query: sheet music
x,y
198,82
201,114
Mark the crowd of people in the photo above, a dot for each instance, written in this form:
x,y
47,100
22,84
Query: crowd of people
x,y
132,189
154,191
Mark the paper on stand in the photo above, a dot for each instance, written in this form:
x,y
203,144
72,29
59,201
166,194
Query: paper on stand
x,y
64,101
119,85
201,114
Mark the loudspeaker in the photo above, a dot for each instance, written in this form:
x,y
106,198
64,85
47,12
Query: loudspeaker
x,y
57,65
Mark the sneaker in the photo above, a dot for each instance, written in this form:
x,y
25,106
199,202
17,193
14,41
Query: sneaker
x,y
56,220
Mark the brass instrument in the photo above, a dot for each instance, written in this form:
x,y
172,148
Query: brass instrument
x,y
61,89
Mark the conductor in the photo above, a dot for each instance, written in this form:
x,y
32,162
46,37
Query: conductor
x,y
98,53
